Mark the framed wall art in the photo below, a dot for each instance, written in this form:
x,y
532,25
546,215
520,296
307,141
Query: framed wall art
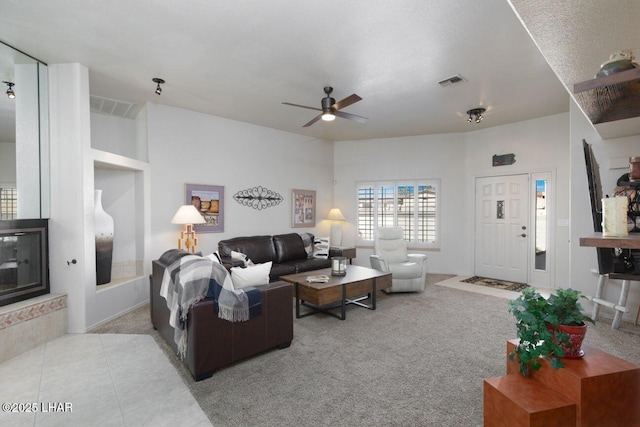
x,y
209,200
303,208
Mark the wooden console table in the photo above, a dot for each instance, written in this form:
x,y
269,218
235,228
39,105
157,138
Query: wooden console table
x,y
597,240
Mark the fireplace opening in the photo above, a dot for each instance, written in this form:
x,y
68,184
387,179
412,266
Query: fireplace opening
x,y
24,259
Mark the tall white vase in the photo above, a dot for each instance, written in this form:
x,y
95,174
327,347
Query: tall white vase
x,y
104,241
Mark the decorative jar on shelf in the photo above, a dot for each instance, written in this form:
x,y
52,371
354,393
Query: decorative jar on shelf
x,y
618,61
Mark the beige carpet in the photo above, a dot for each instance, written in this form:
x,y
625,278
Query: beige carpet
x,y
419,359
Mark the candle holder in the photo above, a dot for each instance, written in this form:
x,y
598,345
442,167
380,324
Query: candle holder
x,y
338,266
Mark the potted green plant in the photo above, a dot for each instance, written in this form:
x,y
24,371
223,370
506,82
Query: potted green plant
x,y
542,327
567,321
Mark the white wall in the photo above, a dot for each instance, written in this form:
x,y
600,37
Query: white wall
x,y
114,135
584,259
8,163
118,136
457,159
72,235
194,148
428,156
540,145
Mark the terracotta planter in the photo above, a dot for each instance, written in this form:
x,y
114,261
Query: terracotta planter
x,y
572,349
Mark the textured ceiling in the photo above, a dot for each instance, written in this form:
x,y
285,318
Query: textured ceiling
x,y
576,37
241,60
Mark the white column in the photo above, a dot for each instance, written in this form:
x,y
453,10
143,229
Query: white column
x,y
71,224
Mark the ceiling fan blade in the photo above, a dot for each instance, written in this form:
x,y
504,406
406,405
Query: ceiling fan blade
x,y
351,99
302,106
312,121
349,116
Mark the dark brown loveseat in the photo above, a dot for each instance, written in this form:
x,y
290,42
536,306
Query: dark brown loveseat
x,y
286,251
213,343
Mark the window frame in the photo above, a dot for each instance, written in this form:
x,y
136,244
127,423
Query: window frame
x,y
396,184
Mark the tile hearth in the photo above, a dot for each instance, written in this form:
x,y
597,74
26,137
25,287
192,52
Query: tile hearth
x,y
27,324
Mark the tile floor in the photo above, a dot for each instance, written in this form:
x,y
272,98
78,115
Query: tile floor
x,y
107,379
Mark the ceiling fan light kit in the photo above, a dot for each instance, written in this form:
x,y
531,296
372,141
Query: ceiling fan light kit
x,y
330,108
328,116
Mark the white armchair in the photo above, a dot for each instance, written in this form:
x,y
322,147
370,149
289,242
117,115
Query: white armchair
x,y
408,271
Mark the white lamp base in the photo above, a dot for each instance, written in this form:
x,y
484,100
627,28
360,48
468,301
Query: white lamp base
x,y
335,238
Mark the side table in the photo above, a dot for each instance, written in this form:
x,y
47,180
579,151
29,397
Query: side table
x,y
345,251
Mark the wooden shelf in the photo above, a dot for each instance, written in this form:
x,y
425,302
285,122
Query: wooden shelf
x,y
610,98
614,98
632,241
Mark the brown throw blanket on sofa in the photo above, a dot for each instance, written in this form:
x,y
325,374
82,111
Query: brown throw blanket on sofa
x,y
188,279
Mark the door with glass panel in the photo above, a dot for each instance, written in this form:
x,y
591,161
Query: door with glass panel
x,y
541,245
502,232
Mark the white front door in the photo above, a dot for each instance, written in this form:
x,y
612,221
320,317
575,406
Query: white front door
x,y
502,235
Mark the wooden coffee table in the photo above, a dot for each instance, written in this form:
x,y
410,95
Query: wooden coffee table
x,y
359,284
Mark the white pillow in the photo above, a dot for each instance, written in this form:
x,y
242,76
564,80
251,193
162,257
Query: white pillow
x,y
255,275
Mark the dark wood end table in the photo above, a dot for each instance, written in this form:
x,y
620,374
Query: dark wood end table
x,y
345,251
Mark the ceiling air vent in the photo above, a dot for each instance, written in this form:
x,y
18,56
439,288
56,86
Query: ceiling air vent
x,y
457,79
112,107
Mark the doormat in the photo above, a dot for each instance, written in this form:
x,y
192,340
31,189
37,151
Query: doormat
x,y
498,284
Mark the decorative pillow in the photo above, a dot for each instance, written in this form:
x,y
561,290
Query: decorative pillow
x,y
321,248
254,275
241,257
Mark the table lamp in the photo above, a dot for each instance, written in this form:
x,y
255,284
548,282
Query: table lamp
x,y
336,218
188,215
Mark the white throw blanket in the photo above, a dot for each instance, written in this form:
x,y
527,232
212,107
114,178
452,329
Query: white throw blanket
x,y
186,281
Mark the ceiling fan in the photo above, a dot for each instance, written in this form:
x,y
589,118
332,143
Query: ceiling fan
x,y
330,108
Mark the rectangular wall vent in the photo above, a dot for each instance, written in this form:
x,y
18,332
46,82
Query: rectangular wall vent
x,y
457,79
112,107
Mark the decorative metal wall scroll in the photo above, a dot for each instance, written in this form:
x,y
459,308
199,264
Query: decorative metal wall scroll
x,y
258,198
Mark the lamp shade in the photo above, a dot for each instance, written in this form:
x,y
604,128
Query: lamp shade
x,y
188,214
335,215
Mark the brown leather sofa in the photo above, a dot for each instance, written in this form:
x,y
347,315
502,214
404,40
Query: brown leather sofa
x,y
213,343
285,251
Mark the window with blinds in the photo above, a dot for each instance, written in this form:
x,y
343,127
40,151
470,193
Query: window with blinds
x,y
410,205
